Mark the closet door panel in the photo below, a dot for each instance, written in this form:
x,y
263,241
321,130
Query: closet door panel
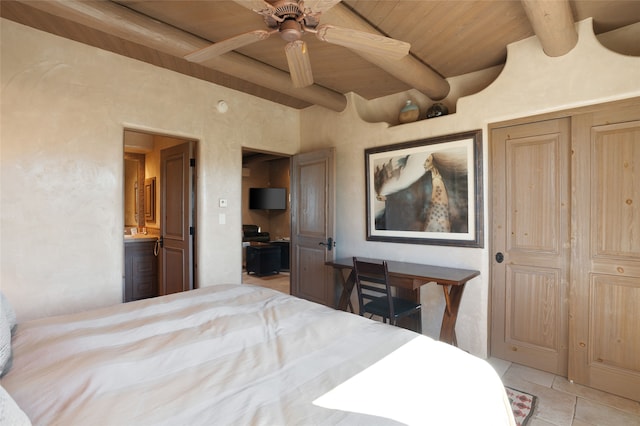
x,y
531,233
533,323
605,283
615,311
616,181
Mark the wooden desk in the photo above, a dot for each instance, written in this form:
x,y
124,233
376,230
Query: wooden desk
x,y
410,277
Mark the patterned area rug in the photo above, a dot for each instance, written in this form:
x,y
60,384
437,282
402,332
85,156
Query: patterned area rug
x,y
522,405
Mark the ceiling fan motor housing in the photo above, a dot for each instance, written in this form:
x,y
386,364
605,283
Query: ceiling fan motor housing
x,y
287,8
290,30
290,19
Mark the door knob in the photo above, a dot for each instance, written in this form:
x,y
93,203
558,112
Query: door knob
x,y
499,257
330,244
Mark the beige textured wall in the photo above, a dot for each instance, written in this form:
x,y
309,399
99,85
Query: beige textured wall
x,y
64,107
130,181
530,83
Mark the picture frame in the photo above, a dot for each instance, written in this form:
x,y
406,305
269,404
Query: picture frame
x,y
426,191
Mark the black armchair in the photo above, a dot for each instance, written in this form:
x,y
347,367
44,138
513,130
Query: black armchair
x,y
251,233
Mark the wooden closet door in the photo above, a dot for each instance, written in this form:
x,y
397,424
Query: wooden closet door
x,y
604,350
530,244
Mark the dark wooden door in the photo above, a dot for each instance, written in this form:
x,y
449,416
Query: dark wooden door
x,y
312,226
177,206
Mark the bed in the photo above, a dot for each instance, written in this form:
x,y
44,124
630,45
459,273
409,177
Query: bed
x,y
242,355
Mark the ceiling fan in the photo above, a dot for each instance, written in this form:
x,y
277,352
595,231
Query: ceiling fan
x,y
293,18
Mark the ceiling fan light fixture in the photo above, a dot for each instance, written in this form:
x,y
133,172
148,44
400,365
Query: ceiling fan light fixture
x,y
299,63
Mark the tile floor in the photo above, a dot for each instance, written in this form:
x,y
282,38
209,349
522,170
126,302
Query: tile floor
x,y
560,403
278,282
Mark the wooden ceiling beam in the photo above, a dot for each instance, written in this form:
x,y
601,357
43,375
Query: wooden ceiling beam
x,y
127,24
552,21
408,69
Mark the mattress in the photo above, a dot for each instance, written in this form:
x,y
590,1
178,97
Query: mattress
x,y
243,355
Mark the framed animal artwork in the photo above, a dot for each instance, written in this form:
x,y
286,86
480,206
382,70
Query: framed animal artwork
x,y
426,191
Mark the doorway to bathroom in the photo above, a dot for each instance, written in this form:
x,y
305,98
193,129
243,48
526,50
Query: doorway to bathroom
x,y
160,214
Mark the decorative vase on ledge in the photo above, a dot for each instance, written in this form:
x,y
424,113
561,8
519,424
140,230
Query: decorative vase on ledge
x,y
409,113
436,110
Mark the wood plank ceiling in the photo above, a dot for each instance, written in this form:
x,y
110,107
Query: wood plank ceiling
x,y
448,38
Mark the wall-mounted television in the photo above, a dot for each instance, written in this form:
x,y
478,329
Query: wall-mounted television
x,y
267,198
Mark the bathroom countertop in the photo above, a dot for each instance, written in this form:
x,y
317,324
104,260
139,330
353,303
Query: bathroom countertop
x,y
139,238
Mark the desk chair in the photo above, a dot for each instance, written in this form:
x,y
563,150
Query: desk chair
x,y
374,293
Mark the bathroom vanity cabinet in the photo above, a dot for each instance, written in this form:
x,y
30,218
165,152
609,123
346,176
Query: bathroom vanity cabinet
x,y
141,270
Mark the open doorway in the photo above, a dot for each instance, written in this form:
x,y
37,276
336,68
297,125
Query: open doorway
x,y
266,219
159,211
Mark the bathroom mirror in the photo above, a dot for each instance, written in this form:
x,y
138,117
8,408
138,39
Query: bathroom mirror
x,y
134,189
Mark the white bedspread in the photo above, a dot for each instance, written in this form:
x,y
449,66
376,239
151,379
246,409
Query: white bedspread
x,y
239,355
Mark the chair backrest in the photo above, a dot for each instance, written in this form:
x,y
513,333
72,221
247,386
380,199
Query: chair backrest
x,y
372,282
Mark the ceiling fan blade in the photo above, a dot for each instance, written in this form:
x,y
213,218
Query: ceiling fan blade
x,y
227,45
363,41
259,6
319,6
299,63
